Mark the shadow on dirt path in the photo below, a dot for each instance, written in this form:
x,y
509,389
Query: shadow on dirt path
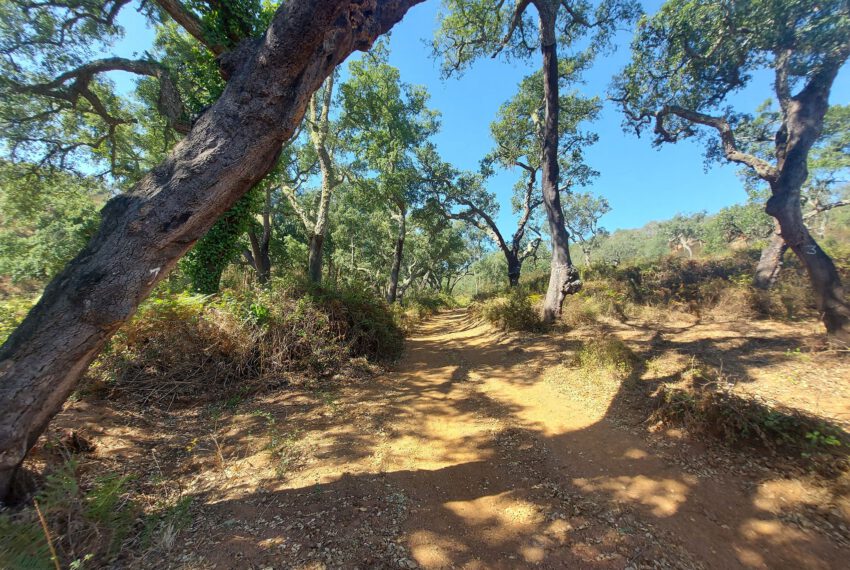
x,y
463,458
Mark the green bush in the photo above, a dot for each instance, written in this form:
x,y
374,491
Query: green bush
x,y
12,312
85,524
511,312
709,409
606,353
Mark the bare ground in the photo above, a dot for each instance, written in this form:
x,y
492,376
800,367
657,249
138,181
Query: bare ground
x,y
470,455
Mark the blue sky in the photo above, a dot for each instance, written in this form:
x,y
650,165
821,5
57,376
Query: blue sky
x,y
640,182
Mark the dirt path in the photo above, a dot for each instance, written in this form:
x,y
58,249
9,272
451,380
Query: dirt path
x,y
464,458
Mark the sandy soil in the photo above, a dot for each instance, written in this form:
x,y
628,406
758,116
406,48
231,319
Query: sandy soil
x,y
466,456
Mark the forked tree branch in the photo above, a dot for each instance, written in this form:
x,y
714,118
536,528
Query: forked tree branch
x,y
763,169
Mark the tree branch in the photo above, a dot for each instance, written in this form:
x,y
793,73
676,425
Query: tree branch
x,y
516,18
727,138
189,22
72,84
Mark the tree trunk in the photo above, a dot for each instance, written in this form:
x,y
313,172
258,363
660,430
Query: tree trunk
x,y
260,259
770,262
563,277
826,283
514,268
392,292
318,135
802,125
314,260
145,232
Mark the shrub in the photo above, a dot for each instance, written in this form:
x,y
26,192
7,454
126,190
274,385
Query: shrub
x,y
713,410
12,312
608,354
512,312
180,347
84,524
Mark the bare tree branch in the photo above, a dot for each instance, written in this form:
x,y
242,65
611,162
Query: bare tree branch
x,y
727,138
189,22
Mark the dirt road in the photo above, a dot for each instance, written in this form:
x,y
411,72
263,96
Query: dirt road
x,y
462,457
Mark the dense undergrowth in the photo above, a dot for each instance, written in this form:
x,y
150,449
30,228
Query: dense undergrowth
x,y
182,348
697,287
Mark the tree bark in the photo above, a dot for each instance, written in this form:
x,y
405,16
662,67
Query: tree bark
x,y
802,125
392,291
314,258
144,233
563,277
259,257
770,262
319,136
514,268
826,283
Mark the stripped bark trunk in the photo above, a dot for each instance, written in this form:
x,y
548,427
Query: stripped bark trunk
x,y
564,276
145,232
514,268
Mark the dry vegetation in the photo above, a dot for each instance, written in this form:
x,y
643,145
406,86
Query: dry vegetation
x,y
202,397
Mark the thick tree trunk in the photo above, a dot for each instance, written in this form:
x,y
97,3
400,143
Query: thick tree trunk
x,y
826,283
563,277
770,262
144,233
802,125
392,291
514,268
314,259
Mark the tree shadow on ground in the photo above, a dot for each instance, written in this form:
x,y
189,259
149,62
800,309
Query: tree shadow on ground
x,y
510,491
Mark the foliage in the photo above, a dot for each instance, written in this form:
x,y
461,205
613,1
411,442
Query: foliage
x,y
86,524
45,220
746,420
694,54
182,347
511,312
12,312
205,263
606,353
473,29
582,212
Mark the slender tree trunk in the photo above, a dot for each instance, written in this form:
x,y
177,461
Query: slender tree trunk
x,y
397,257
260,259
563,277
144,233
314,260
319,135
770,262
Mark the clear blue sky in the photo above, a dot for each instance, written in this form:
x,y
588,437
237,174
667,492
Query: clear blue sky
x,y
640,182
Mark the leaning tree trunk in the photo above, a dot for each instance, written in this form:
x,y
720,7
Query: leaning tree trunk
x,y
563,275
826,283
770,262
144,233
802,125
392,291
